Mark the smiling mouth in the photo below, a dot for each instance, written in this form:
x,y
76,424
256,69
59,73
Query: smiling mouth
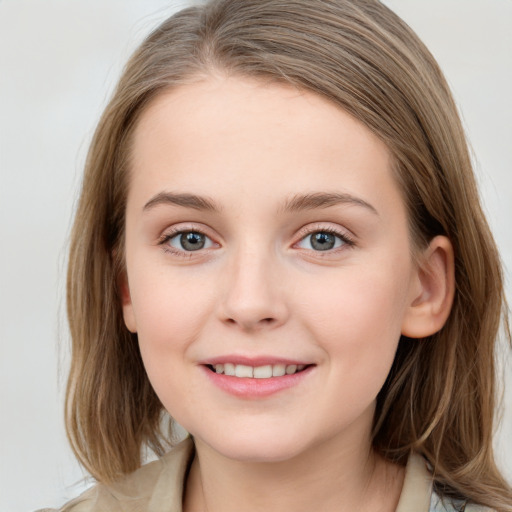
x,y
257,372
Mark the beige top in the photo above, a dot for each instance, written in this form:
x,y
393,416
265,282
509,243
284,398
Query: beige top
x,y
158,487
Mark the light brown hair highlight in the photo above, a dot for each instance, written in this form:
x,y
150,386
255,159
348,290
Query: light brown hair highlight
x,y
439,398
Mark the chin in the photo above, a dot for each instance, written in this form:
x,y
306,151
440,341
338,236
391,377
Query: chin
x,y
256,446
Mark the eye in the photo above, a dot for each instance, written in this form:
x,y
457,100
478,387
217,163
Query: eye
x,y
189,241
323,241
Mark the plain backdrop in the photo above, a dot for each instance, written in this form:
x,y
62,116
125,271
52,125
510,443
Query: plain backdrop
x,y
59,61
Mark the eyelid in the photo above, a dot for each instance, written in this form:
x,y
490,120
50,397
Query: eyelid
x,y
344,234
175,230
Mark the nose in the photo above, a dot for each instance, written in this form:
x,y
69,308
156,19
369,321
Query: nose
x,y
254,293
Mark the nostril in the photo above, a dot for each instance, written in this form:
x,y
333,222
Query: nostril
x,y
263,321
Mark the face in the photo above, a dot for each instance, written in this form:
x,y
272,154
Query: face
x,y
269,268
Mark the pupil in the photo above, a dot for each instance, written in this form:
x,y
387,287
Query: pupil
x,y
323,241
192,241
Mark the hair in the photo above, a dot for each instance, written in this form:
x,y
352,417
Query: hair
x,y
439,398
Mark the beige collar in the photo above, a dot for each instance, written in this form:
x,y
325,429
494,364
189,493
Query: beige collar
x,y
417,489
169,488
168,492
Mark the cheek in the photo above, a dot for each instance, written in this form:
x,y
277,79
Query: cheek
x,y
168,323
169,317
357,318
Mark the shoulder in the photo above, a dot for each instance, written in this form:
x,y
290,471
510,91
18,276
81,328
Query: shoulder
x,y
438,504
160,479
418,492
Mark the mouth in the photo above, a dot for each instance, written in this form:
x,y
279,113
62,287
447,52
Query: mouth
x,y
256,372
258,378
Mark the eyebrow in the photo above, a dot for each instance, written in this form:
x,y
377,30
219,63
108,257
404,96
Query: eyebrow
x,y
299,202
317,200
185,200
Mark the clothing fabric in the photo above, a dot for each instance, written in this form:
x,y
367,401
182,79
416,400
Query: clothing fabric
x,y
158,487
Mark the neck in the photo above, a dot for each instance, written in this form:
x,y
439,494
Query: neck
x,y
332,476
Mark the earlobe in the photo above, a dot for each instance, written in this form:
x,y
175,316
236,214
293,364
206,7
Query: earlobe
x,y
126,302
432,297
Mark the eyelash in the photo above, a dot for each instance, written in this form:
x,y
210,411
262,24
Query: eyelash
x,y
347,240
169,235
164,240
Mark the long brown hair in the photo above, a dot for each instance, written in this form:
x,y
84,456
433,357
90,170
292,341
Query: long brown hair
x,y
439,398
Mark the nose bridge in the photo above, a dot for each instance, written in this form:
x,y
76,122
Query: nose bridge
x,y
254,295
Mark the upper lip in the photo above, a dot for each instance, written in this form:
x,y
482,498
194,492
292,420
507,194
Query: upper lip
x,y
252,361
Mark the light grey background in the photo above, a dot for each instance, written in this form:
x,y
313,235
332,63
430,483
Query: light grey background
x,y
59,61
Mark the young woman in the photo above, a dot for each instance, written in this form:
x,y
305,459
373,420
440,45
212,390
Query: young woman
x,y
279,244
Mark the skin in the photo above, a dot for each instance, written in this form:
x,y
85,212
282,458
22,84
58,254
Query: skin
x,y
260,288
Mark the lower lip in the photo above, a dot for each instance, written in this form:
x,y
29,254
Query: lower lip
x,y
245,387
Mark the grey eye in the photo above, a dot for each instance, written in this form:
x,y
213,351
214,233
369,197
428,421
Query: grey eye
x,y
321,241
190,241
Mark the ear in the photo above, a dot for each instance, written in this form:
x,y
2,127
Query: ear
x,y
126,302
433,290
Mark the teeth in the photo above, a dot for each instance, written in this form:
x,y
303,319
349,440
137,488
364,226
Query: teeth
x,y
229,369
258,372
278,370
263,372
243,371
291,369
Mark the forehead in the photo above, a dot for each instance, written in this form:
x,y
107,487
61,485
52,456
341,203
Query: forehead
x,y
251,138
